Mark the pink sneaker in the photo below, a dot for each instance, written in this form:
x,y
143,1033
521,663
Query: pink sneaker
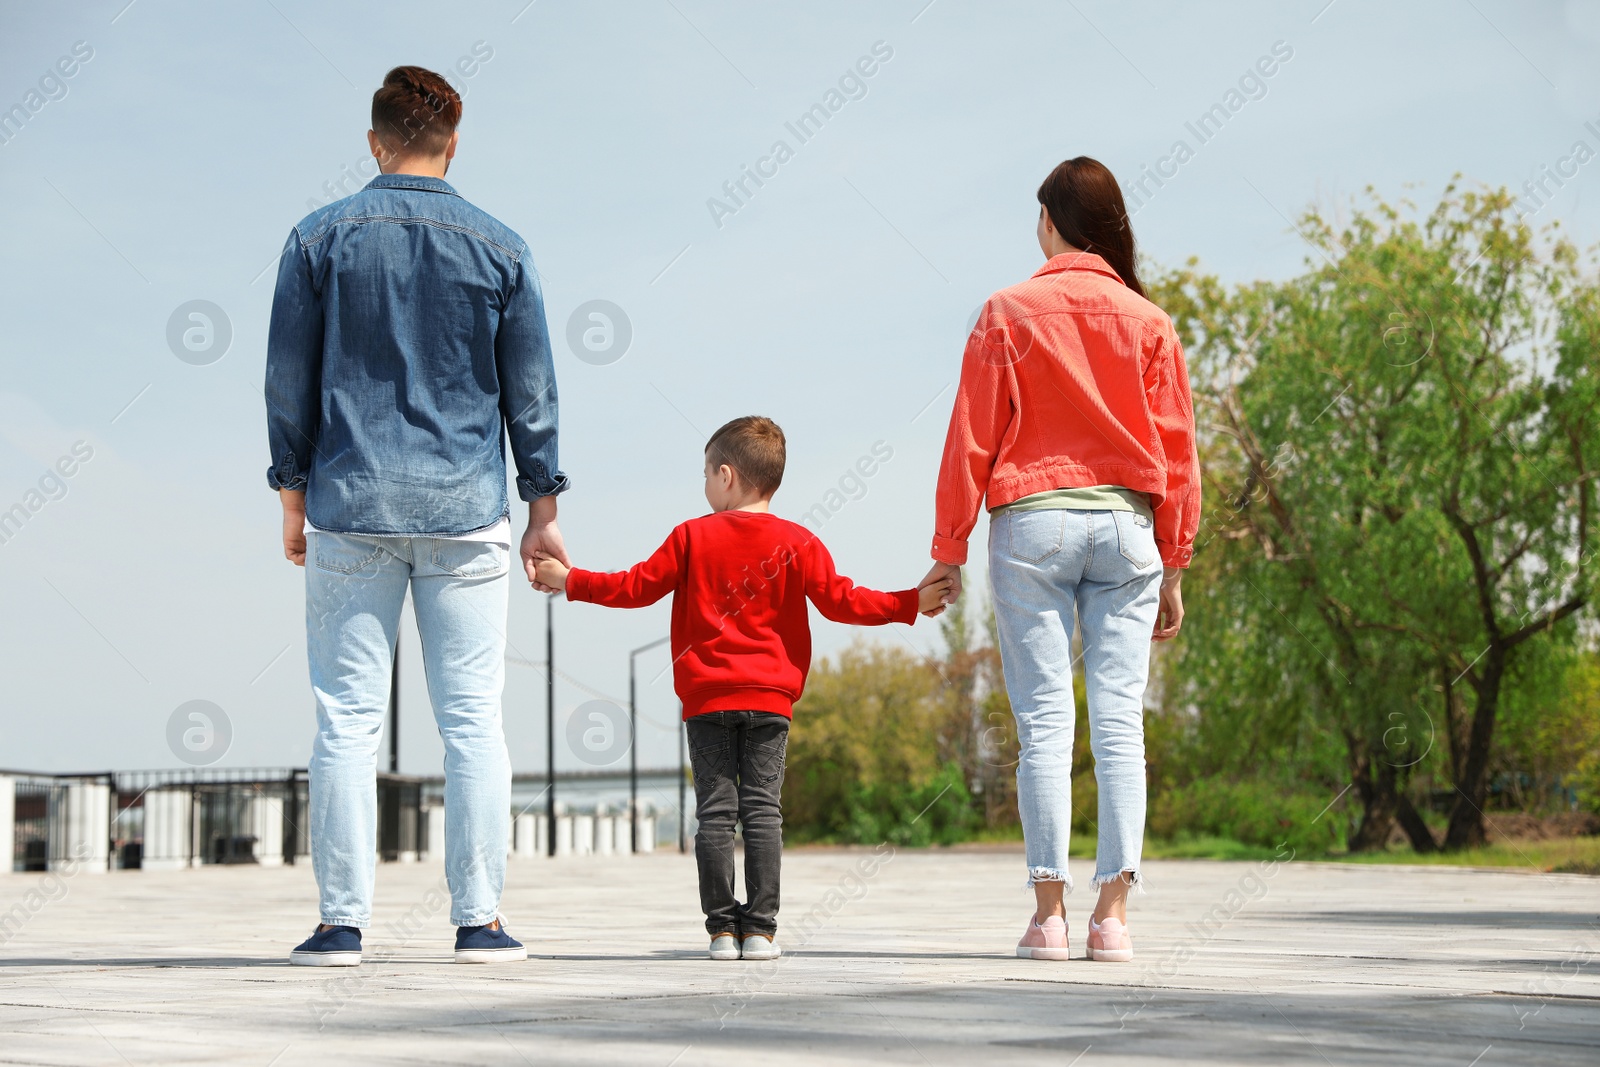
x,y
1109,941
1047,941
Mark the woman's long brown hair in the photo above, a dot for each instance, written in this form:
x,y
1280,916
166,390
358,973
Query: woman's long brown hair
x,y
1086,208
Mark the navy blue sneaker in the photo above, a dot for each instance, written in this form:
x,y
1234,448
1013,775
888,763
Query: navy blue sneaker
x,y
488,944
337,946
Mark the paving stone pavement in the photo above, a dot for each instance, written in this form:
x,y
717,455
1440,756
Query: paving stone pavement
x,y
900,957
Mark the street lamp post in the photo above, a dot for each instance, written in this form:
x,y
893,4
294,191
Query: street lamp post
x,y
683,778
394,707
550,722
633,743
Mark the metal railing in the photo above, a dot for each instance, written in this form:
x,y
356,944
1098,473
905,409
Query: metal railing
x,y
171,819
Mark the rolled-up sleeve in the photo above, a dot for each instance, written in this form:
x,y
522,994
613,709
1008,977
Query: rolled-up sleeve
x,y
983,411
294,369
528,386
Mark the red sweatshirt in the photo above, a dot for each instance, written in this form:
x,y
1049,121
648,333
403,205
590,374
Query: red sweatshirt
x,y
741,639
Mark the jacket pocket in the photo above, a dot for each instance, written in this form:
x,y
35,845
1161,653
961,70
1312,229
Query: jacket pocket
x,y
1136,538
1035,536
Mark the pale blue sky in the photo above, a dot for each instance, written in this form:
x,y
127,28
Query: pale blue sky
x,y
835,300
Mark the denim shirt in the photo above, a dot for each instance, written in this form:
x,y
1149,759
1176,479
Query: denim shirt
x,y
407,329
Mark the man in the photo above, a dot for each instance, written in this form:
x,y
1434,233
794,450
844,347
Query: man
x,y
407,341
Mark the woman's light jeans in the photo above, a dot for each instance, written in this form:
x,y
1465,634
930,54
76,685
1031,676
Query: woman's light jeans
x,y
1102,568
355,586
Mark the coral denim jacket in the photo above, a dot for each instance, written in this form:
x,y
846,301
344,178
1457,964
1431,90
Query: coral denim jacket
x,y
1070,379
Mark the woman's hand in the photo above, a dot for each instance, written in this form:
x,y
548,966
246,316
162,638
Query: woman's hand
x,y
939,573
1169,615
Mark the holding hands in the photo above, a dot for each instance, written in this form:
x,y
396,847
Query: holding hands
x,y
542,541
940,588
549,574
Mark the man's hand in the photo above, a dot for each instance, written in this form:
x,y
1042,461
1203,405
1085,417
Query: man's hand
x,y
542,539
294,525
1169,615
551,575
948,576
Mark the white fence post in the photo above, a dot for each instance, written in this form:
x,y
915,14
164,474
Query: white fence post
x,y
79,825
266,826
583,834
8,824
166,829
647,828
564,831
435,832
527,836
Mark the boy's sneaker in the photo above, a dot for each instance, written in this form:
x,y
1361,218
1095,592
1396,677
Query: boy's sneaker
x,y
759,947
488,944
337,946
1044,941
1109,941
724,947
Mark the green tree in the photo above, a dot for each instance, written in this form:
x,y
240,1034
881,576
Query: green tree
x,y
874,754
974,686
1399,447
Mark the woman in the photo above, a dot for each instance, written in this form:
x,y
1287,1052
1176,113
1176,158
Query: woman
x,y
1073,426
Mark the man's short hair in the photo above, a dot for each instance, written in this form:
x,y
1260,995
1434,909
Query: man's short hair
x,y
415,110
754,447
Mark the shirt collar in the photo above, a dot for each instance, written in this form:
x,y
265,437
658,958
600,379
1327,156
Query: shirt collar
x,y
1077,261
421,182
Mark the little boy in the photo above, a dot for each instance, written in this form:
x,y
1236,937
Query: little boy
x,y
741,647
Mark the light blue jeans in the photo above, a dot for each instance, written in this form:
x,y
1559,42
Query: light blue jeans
x,y
1102,568
355,586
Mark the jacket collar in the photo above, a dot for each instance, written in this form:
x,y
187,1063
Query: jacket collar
x,y
421,182
1077,261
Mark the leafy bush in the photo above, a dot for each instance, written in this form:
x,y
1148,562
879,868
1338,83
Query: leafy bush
x,y
872,754
1255,812
937,812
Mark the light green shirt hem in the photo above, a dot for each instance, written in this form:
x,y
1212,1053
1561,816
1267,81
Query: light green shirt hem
x,y
1085,498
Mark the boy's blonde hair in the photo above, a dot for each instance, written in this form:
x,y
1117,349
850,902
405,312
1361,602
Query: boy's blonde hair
x,y
754,447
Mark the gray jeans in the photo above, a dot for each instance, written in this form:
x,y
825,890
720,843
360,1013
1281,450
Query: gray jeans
x,y
738,774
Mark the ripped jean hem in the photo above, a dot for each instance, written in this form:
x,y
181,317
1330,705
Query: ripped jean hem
x,y
1049,874
1135,879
